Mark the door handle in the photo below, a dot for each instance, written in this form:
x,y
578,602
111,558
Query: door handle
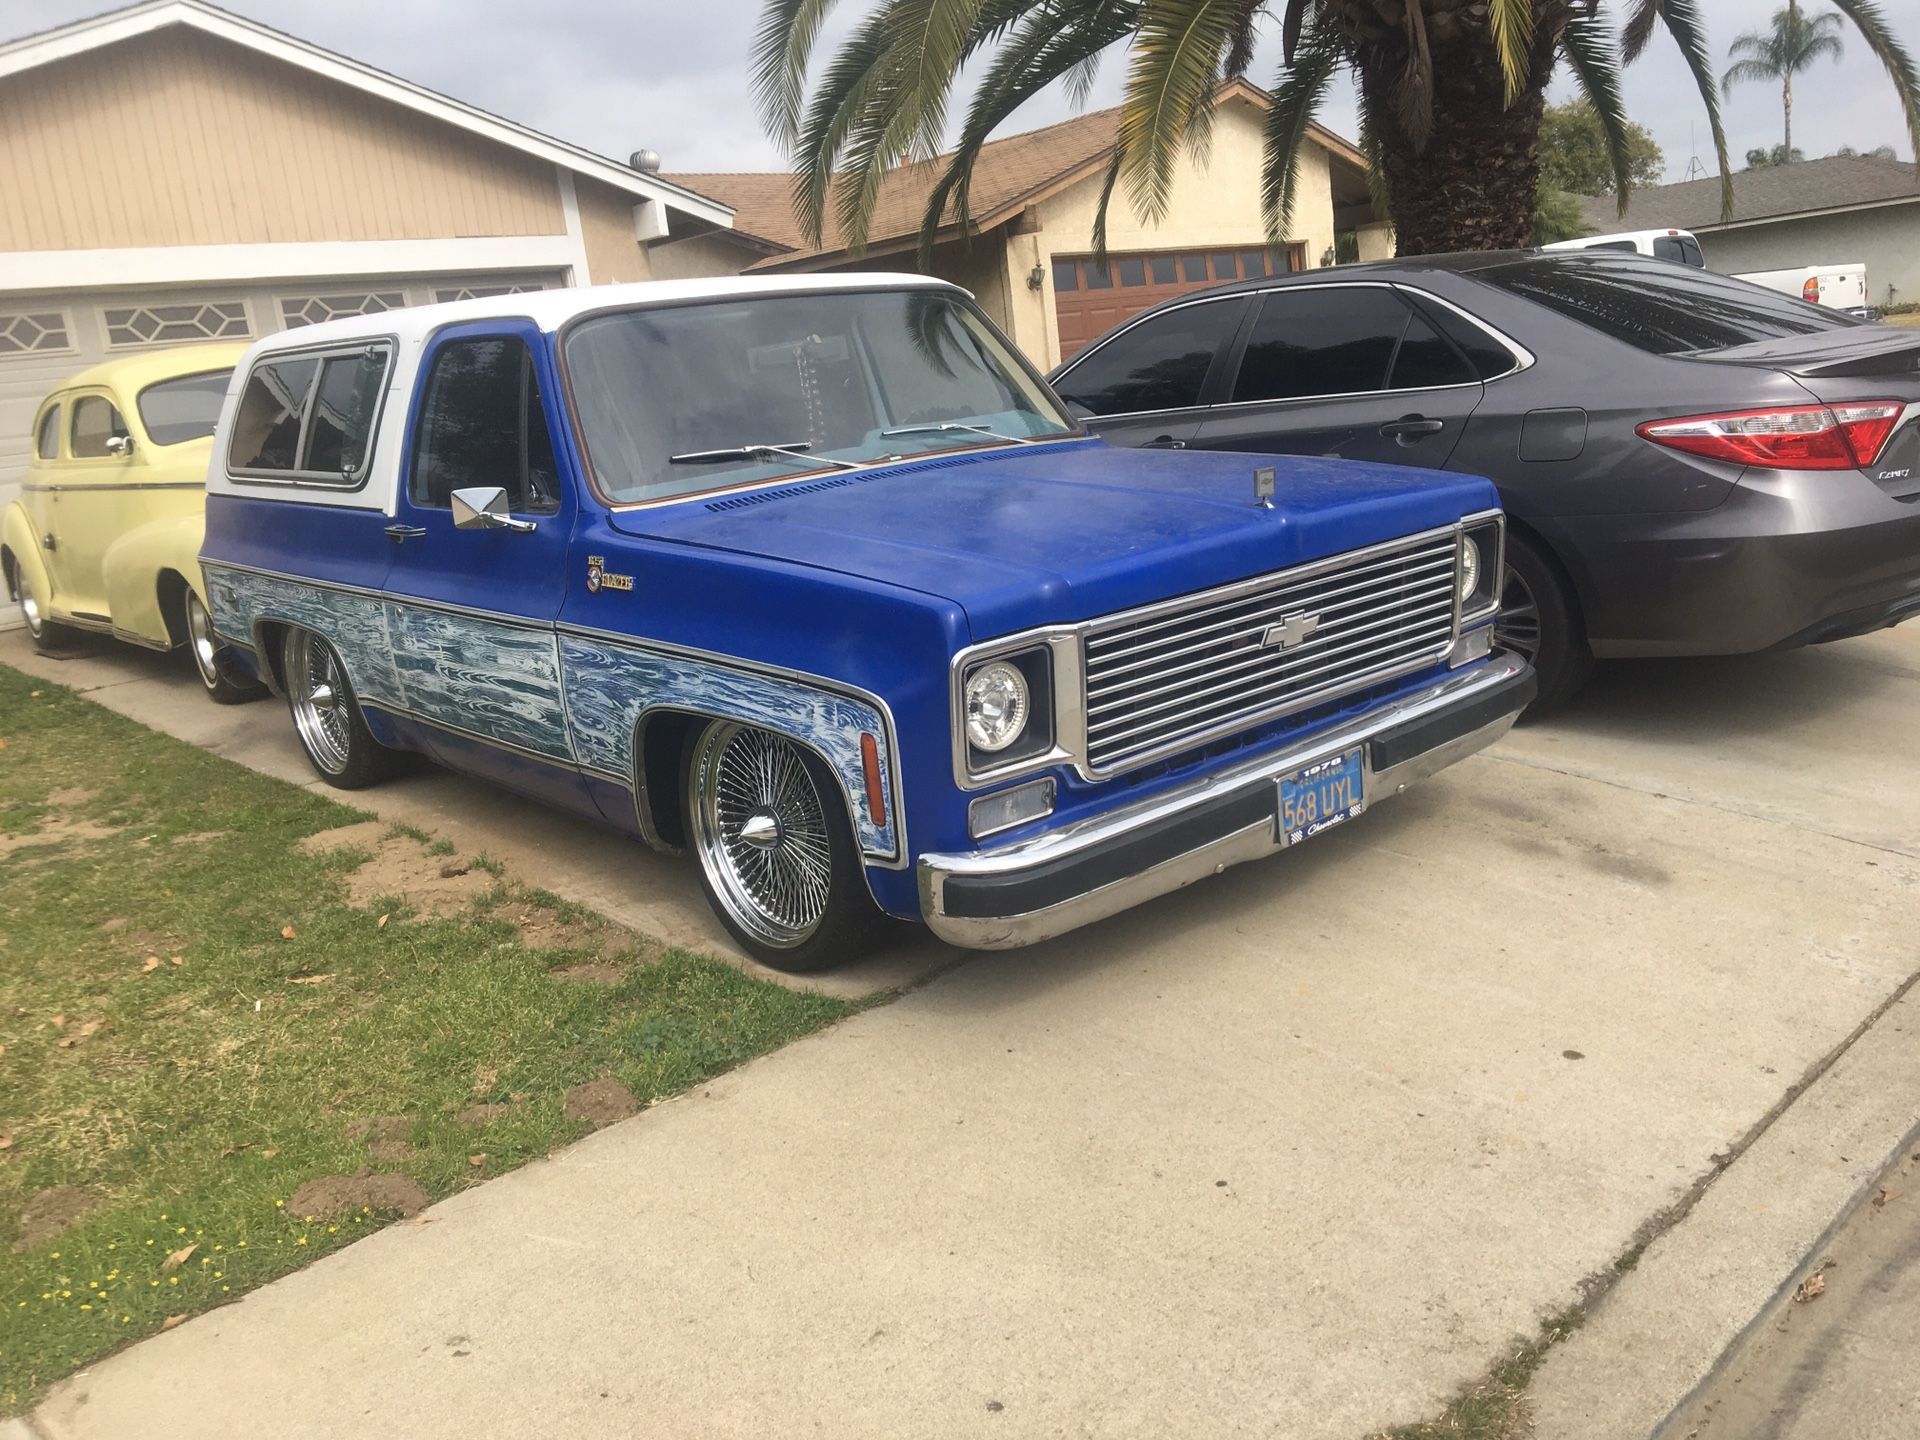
x,y
1408,426
1163,442
400,534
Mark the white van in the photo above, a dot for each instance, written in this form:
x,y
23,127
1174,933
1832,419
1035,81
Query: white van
x,y
1678,246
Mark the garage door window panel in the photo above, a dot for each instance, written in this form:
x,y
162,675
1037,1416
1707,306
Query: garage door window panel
x,y
1160,364
1332,340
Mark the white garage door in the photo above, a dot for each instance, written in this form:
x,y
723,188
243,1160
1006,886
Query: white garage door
x,y
43,340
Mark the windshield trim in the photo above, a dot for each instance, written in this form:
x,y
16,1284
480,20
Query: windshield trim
x,y
1075,431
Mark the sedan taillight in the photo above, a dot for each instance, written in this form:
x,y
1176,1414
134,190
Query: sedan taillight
x,y
1795,437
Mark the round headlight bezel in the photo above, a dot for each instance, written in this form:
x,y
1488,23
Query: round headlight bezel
x,y
987,731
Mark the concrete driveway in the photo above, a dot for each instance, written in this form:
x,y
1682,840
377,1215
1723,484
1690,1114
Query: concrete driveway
x,y
1296,1152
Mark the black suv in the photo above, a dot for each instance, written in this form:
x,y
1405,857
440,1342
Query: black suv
x,y
1692,465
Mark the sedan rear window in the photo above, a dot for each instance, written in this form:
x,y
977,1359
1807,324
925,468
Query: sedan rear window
x,y
175,411
1662,309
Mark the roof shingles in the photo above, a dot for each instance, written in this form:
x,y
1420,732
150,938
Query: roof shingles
x,y
1775,193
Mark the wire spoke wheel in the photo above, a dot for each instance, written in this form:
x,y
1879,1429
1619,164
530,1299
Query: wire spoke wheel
x,y
321,703
1518,627
760,831
201,641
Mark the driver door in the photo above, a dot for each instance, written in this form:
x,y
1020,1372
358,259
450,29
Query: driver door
x,y
96,483
471,611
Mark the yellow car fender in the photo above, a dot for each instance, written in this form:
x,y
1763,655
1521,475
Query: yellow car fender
x,y
22,545
146,572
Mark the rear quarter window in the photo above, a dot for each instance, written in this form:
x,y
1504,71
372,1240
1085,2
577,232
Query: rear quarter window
x,y
176,411
1661,309
46,440
309,418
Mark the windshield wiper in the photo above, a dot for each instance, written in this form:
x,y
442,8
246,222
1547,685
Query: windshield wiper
x,y
795,451
944,425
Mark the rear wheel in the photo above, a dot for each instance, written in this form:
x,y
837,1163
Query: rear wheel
x,y
775,853
1539,619
47,635
204,645
326,716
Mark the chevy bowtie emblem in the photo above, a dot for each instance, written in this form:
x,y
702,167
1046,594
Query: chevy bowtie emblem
x,y
1265,482
1291,630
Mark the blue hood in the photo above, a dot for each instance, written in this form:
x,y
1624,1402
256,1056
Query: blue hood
x,y
1068,532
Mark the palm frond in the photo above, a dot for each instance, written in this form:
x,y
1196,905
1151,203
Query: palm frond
x,y
1291,25
838,108
1511,25
1873,28
1245,34
1170,91
782,45
1588,45
1100,210
1757,71
1689,31
1297,97
1639,29
1416,80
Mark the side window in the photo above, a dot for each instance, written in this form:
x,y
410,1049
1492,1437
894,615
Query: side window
x,y
1425,359
1321,340
266,429
310,418
46,442
95,421
1489,358
1160,364
1668,247
482,423
1690,253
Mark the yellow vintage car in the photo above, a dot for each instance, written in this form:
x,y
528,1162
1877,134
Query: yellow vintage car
x,y
106,533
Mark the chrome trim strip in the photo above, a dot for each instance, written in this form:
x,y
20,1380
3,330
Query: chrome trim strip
x,y
130,485
1068,841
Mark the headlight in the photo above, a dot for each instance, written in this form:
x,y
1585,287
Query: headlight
x,y
1469,568
998,704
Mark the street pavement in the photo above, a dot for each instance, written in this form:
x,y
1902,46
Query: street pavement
x,y
1296,1152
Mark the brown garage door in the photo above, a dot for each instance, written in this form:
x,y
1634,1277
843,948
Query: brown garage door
x,y
1089,299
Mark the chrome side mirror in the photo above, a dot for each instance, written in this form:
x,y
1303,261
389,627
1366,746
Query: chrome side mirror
x,y
484,507
119,446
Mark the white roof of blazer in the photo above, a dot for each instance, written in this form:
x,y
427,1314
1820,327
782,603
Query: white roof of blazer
x,y
547,309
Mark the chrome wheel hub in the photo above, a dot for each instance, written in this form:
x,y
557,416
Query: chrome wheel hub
x,y
316,688
200,640
760,831
30,608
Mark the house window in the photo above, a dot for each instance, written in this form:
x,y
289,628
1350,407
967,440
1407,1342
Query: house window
x,y
1164,272
298,310
129,325
1066,275
41,332
482,292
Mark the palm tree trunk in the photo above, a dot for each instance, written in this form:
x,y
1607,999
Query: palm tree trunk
x,y
1472,186
1786,102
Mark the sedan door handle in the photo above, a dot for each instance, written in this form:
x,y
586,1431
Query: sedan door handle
x,y
400,534
1410,425
1163,442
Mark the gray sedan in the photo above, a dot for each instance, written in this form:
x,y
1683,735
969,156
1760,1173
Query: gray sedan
x,y
1691,465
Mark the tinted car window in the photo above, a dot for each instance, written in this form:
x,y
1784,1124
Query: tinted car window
x,y
342,416
482,424
1321,340
1160,364
1662,309
95,421
1690,253
47,443
174,411
1426,359
266,429
1489,358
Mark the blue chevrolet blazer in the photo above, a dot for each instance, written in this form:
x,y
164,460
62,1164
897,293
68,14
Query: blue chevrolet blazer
x,y
814,580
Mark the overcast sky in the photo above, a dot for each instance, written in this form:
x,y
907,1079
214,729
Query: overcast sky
x,y
614,75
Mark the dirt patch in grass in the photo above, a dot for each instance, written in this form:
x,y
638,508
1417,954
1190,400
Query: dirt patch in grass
x,y
542,928
591,973
474,1116
401,864
600,1102
68,797
50,1212
62,832
332,1196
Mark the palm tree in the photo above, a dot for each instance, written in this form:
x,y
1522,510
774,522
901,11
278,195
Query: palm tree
x,y
1451,93
1792,45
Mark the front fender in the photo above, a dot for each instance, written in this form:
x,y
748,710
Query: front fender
x,y
133,565
19,539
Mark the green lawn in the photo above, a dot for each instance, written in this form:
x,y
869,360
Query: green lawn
x,y
198,1019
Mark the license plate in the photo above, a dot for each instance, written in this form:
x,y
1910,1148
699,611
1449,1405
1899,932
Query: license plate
x,y
1320,797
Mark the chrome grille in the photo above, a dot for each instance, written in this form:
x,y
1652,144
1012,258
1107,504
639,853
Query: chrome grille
x,y
1187,671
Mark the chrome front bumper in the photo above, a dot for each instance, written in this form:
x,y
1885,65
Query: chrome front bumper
x,y
1085,871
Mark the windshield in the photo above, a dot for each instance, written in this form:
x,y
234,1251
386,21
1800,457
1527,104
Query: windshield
x,y
175,411
1663,309
675,400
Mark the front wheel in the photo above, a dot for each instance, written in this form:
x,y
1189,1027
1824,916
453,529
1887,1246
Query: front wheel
x,y
327,718
774,850
204,645
1538,618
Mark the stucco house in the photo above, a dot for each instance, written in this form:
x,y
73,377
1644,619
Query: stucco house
x,y
1840,210
174,173
1027,250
